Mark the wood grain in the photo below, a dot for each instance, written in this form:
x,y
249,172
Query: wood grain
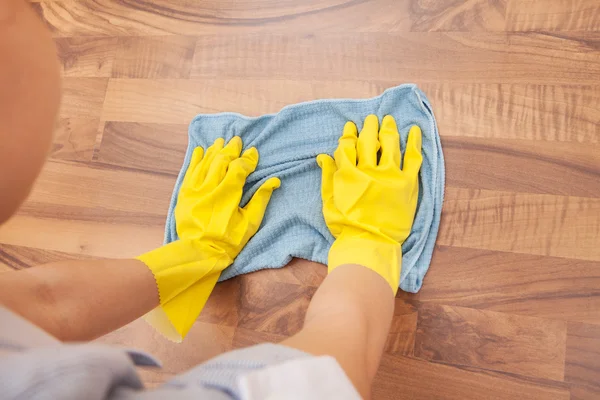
x,y
467,16
82,97
86,57
75,139
184,17
154,57
93,238
553,15
148,147
582,368
401,338
19,257
489,340
94,18
178,101
581,392
272,307
68,17
223,306
248,337
105,189
540,113
418,379
549,225
522,284
402,57
298,271
517,111
496,164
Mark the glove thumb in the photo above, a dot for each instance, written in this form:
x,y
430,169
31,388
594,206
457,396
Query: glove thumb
x,y
328,168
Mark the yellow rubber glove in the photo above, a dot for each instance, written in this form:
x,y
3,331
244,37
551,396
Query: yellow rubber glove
x,y
369,206
212,230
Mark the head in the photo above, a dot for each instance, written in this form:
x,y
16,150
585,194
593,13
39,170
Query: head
x,y
29,100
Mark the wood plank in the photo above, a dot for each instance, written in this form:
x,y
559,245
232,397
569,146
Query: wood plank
x,y
184,17
297,272
86,57
149,147
401,337
178,101
568,169
95,189
20,257
248,337
582,367
82,97
75,139
69,17
524,111
92,238
272,307
581,392
541,224
87,214
553,15
154,57
223,305
522,284
533,112
467,16
400,57
417,379
499,342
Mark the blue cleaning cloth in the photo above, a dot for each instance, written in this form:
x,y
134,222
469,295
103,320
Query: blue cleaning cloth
x,y
288,143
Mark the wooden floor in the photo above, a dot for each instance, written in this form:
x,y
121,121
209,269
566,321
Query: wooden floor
x,y
511,306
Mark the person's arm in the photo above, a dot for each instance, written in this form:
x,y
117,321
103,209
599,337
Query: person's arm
x,y
349,318
369,204
81,300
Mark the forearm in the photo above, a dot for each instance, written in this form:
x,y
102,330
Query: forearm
x,y
80,300
349,318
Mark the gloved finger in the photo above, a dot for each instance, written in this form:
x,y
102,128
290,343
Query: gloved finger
x,y
199,174
328,168
255,209
390,143
240,168
218,167
368,142
238,171
412,156
345,154
194,163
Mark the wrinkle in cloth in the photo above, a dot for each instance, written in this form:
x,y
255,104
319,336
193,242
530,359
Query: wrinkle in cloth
x,y
288,143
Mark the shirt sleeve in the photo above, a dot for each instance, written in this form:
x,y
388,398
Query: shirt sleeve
x,y
306,378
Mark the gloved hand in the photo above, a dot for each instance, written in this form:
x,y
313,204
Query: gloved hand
x,y
212,230
369,206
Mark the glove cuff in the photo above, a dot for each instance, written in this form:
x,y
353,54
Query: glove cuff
x,y
185,273
384,258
